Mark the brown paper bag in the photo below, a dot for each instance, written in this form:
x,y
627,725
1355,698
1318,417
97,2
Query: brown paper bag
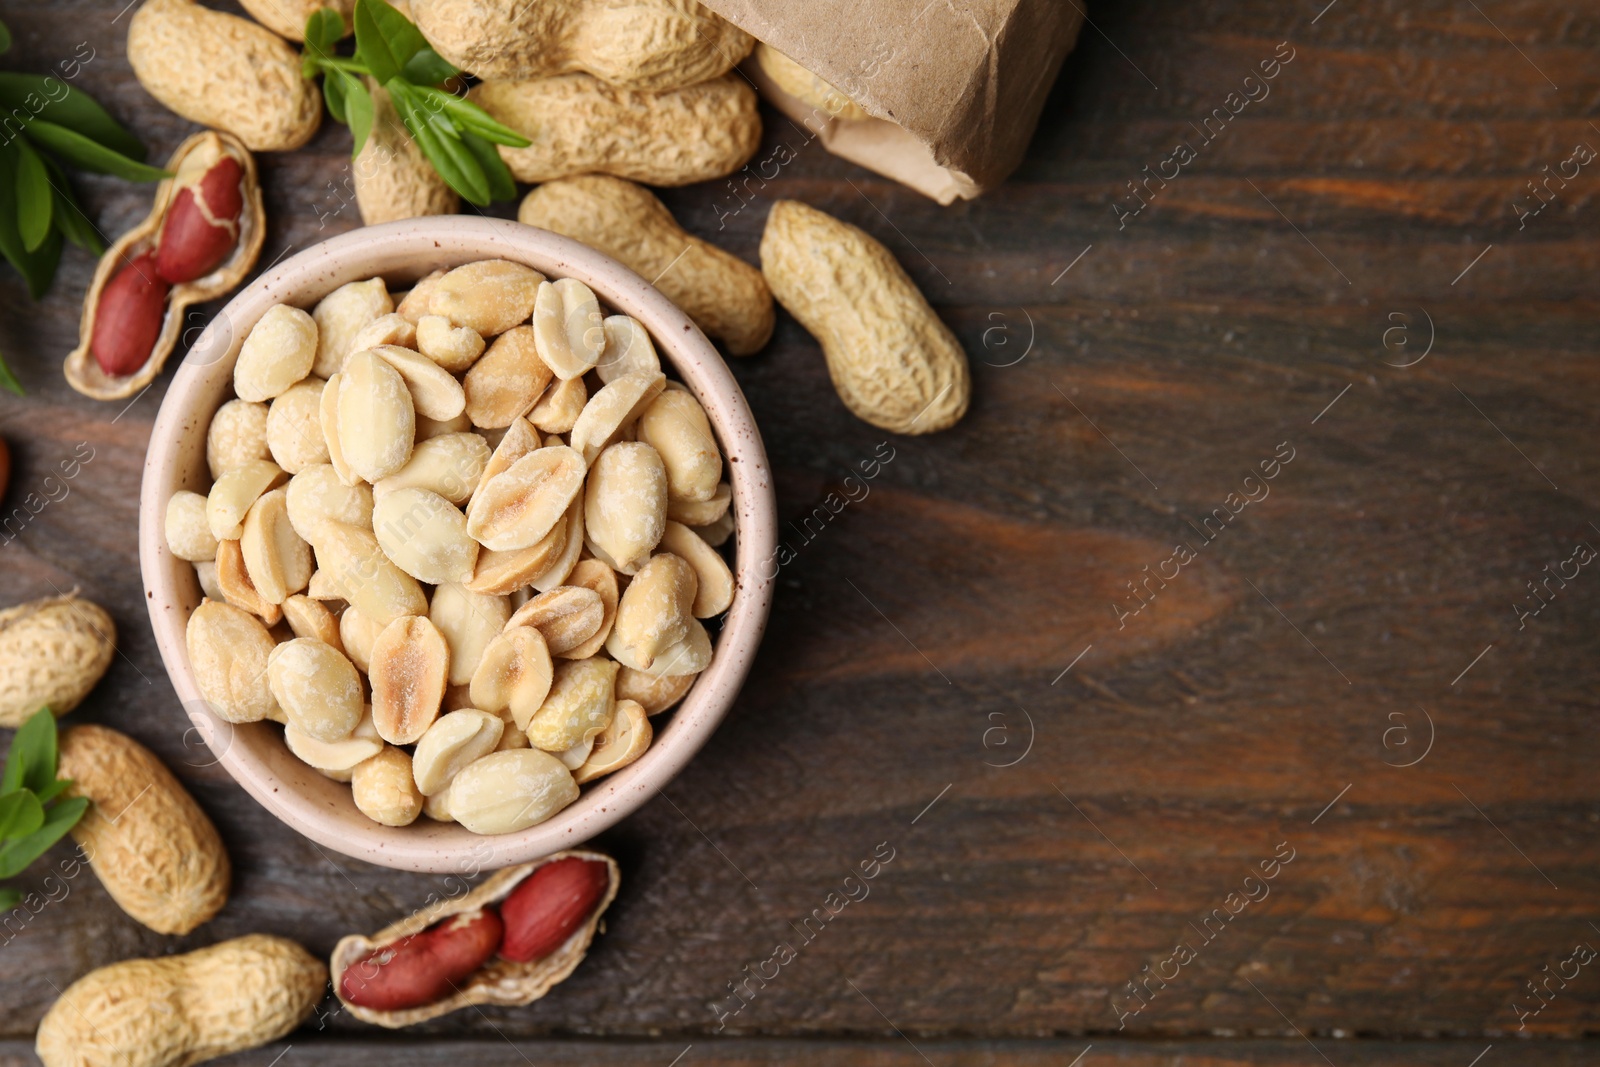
x,y
955,87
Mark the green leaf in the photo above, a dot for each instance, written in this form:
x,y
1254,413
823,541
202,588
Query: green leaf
x,y
73,222
37,268
502,186
90,155
359,108
20,815
455,163
31,764
9,898
466,115
5,38
74,109
324,30
34,199
9,380
16,855
53,790
428,67
334,89
385,39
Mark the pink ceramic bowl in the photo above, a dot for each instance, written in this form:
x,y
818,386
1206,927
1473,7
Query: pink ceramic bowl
x,y
401,252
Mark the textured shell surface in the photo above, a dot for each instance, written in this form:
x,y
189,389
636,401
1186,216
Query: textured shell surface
x,y
52,652
154,850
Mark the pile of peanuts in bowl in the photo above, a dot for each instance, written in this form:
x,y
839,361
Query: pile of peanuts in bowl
x,y
461,547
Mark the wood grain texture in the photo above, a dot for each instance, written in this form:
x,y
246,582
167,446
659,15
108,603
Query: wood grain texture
x,y
1127,380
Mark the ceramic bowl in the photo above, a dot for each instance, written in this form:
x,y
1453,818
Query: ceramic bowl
x,y
255,753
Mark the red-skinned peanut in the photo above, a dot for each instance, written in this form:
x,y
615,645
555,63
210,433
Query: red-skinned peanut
x,y
425,967
542,912
128,320
201,228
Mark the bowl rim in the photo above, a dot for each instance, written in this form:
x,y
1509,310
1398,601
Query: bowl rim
x,y
403,251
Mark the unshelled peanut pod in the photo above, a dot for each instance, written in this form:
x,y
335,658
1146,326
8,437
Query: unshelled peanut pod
x,y
548,924
652,45
186,1009
202,236
154,850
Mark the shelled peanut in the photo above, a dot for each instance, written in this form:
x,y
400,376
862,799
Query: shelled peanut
x,y
464,567
508,942
201,238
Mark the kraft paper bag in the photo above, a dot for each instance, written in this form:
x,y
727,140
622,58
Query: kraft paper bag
x,y
953,89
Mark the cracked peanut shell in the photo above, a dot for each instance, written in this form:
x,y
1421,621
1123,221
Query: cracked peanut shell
x,y
497,982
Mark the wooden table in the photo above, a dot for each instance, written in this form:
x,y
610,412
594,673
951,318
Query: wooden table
x,y
1336,672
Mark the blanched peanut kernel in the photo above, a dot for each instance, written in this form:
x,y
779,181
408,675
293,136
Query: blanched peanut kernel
x,y
425,535
294,427
676,426
625,503
509,791
228,651
188,532
449,464
409,668
506,381
234,492
628,350
317,687
279,351
568,329
384,789
514,674
468,621
377,423
578,707
455,348
452,744
237,435
342,316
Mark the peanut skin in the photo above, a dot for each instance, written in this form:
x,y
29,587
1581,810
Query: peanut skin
x,y
893,362
133,305
650,45
542,912
224,71
425,967
726,297
579,124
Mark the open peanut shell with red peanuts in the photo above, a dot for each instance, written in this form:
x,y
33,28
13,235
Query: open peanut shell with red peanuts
x,y
201,238
509,942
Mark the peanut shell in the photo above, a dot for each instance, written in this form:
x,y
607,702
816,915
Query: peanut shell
x,y
52,652
725,296
225,72
579,124
893,362
498,981
152,847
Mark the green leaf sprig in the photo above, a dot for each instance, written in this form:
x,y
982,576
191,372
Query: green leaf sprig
x,y
455,135
48,123
33,813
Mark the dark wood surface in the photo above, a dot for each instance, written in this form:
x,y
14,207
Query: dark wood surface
x,y
1267,695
